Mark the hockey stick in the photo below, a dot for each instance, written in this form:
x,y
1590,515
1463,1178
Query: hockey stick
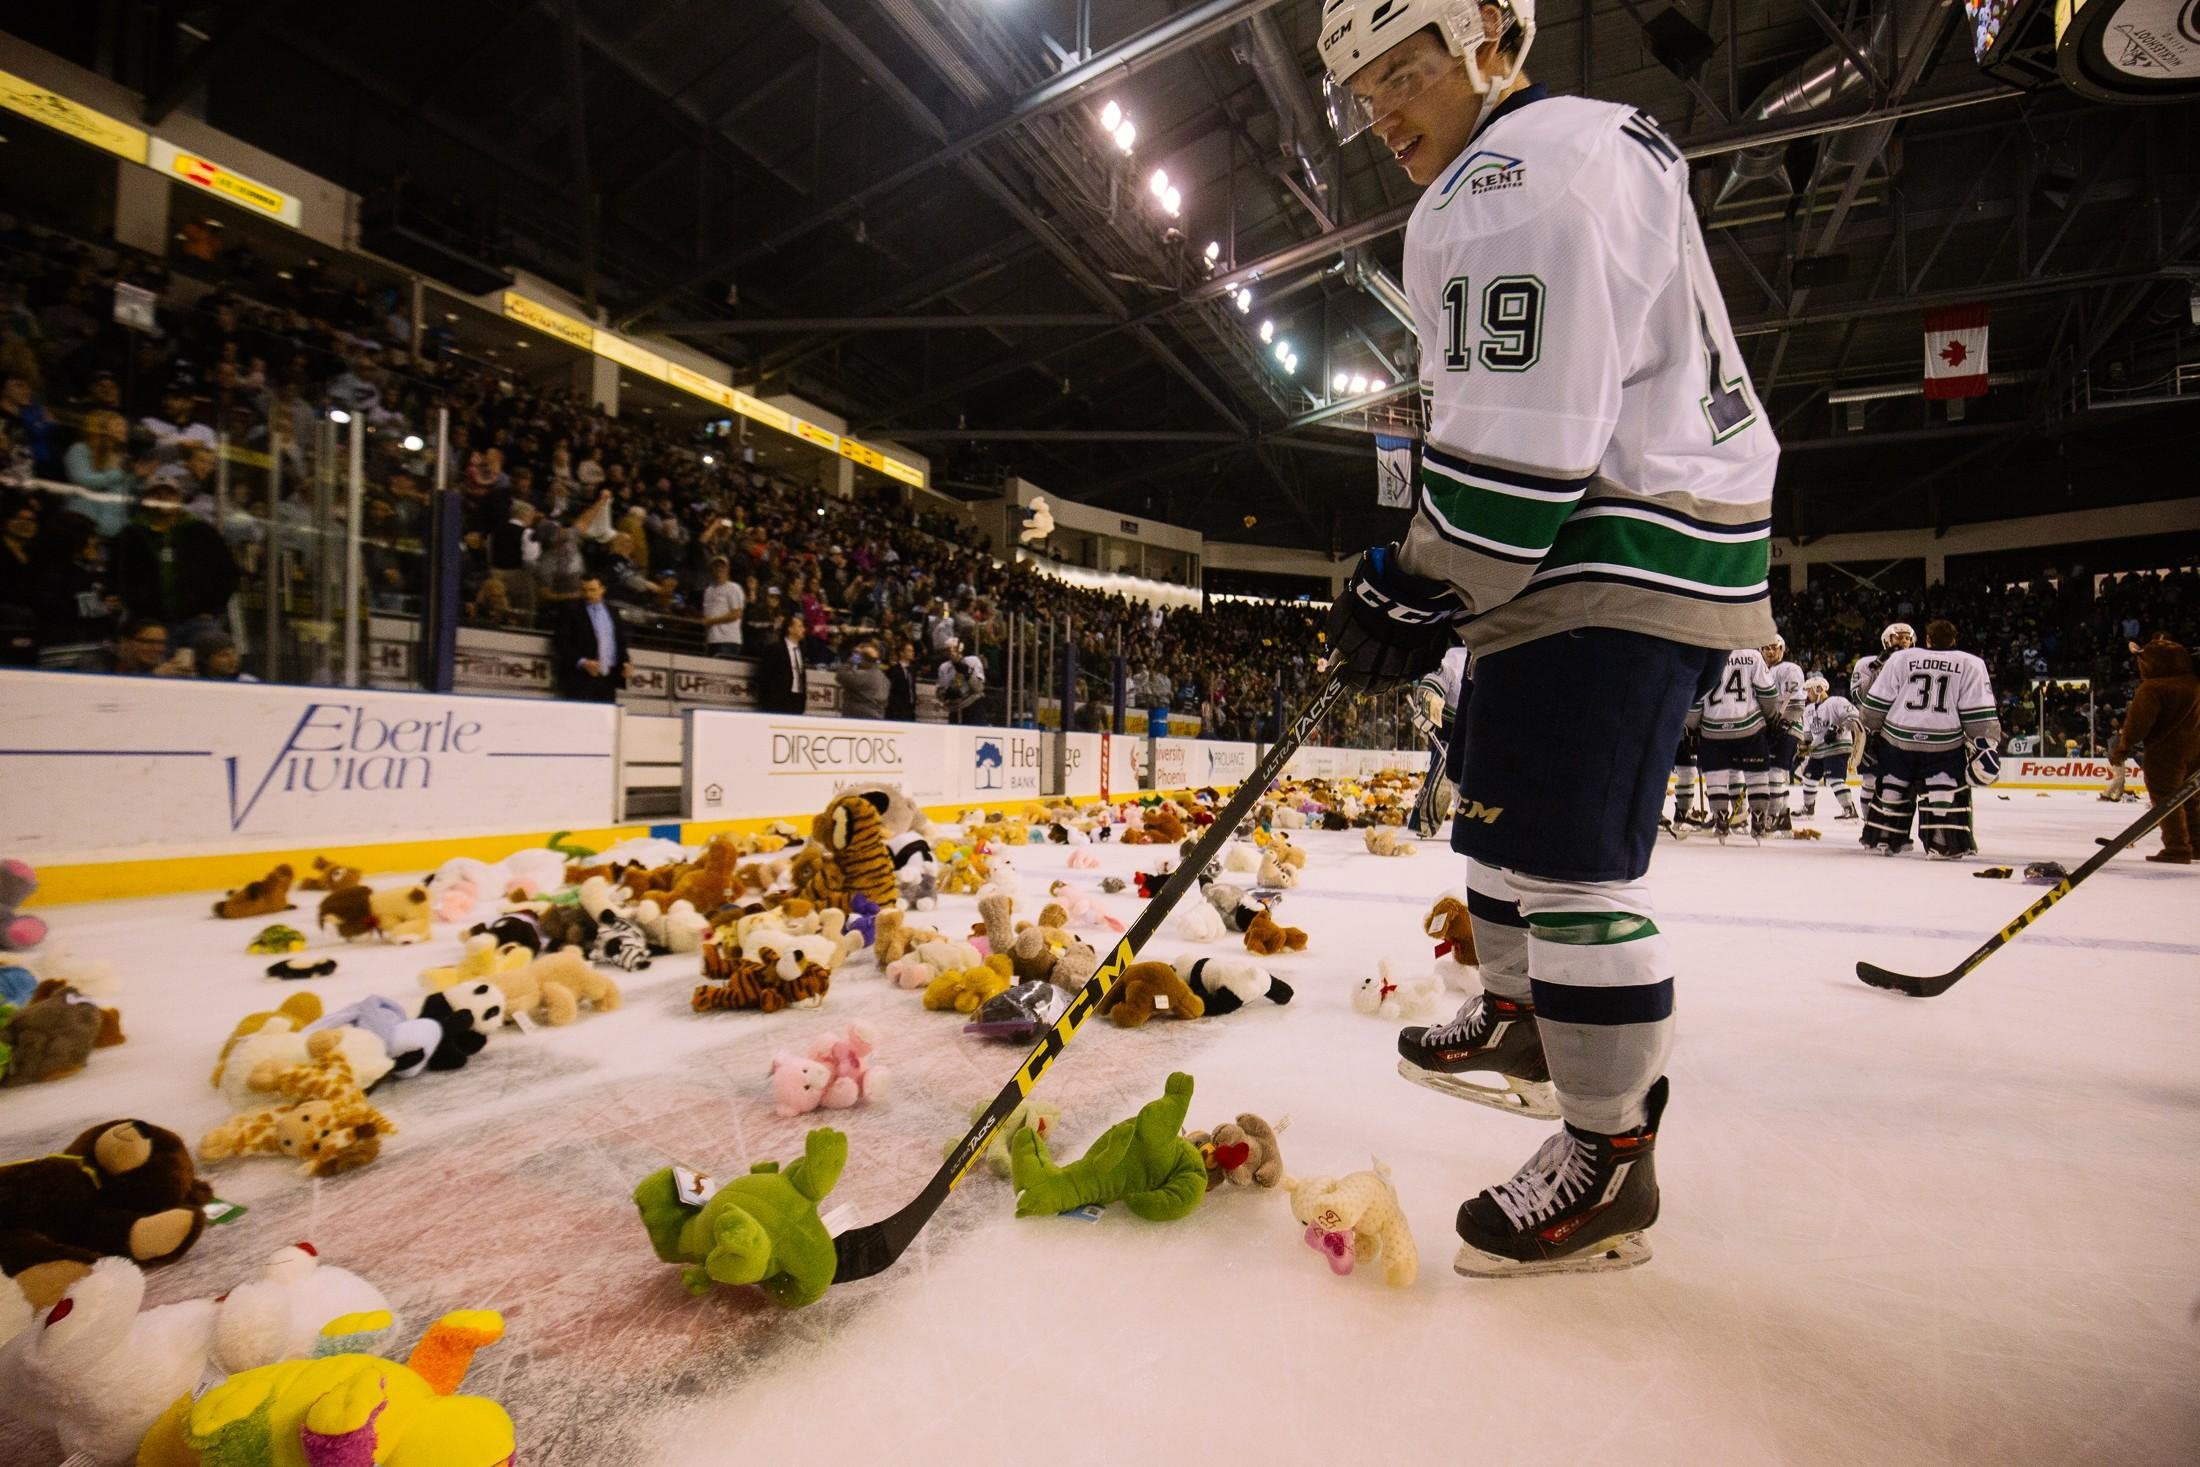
x,y
872,1249
1879,977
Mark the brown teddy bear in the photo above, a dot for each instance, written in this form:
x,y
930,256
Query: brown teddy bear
x,y
1263,936
123,1188
1453,930
55,1033
962,992
894,937
1245,1154
262,898
326,875
1147,989
1164,824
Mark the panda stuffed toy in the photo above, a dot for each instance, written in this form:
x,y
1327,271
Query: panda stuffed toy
x,y
467,1013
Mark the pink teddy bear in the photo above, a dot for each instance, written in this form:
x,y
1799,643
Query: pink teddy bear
x,y
1083,860
834,1074
911,973
458,899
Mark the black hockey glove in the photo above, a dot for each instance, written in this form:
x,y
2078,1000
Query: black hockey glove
x,y
1388,627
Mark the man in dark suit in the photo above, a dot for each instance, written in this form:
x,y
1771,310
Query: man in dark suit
x,y
590,648
782,682
901,686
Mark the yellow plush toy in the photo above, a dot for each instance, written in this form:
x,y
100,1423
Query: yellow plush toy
x,y
345,1409
1356,1219
483,960
964,990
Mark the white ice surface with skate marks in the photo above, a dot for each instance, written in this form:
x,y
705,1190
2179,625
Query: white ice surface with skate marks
x,y
1895,1231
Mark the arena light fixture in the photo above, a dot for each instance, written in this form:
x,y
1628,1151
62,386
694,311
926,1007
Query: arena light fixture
x,y
1111,115
1378,383
1159,183
708,460
1172,201
1283,350
1359,385
414,443
1291,365
1244,300
1213,251
1126,135
1340,381
1267,332
338,415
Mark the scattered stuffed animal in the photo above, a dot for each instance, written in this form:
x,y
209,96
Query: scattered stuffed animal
x,y
522,928
17,984
248,1071
1277,873
523,875
674,929
749,983
399,914
1363,1208
408,1044
564,924
1040,1116
19,931
911,972
468,1013
1226,986
1196,922
1240,858
456,901
99,1368
833,1073
552,988
962,991
1142,1162
1245,1154
1263,936
270,894
1150,988
345,1408
1388,840
53,1036
947,954
280,1315
761,1228
847,854
326,875
1078,909
277,939
619,942
1409,998
328,1126
301,967
291,1015
1453,930
1083,859
1113,885
124,1189
896,937
481,958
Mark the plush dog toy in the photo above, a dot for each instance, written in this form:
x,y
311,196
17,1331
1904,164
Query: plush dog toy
x,y
122,1189
268,895
761,1228
481,958
326,875
1408,997
1243,1154
1147,989
1386,840
1263,936
552,988
1142,1163
1356,1219
1226,986
399,914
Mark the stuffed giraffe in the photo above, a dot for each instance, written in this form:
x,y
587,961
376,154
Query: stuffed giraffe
x,y
327,1124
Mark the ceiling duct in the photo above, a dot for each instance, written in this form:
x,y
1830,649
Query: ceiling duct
x,y
1302,135
1831,81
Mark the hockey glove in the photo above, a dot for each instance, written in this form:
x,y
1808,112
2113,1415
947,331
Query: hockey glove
x,y
1985,764
1388,627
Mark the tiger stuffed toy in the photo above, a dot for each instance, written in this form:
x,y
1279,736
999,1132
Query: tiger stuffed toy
x,y
745,983
847,855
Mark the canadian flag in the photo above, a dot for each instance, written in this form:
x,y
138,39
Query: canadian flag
x,y
1955,352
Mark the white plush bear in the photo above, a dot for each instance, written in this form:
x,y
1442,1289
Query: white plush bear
x,y
96,1371
675,929
948,955
1413,997
279,1315
1241,856
368,1056
1196,922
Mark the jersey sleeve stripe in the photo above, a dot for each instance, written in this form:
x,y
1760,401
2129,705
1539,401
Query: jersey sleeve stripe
x,y
1627,575
1572,486
1660,552
1500,520
1648,509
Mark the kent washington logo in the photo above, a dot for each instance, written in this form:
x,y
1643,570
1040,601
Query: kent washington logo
x,y
1485,172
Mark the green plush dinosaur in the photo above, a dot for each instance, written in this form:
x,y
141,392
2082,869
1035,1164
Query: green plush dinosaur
x,y
759,1229
1143,1163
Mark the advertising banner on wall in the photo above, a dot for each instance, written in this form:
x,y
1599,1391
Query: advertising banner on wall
x,y
742,765
128,767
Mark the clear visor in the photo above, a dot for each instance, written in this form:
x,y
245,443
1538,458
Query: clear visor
x,y
1382,87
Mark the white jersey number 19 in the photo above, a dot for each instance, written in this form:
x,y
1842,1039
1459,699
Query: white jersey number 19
x,y
1512,319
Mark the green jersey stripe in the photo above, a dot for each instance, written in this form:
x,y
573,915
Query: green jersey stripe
x,y
1661,550
1523,523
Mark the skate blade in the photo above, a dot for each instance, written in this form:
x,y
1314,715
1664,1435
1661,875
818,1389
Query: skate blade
x,y
1628,1250
1531,1098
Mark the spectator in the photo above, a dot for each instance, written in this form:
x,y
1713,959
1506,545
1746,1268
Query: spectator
x,y
29,429
492,606
78,609
864,685
171,568
724,602
100,465
216,660
559,569
764,619
176,425
143,652
590,647
782,680
513,550
901,685
961,681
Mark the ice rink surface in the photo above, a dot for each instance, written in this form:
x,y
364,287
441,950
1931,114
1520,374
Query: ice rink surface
x,y
1895,1231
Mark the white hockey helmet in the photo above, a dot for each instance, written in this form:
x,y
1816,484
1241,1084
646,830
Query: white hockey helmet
x,y
1816,687
1897,634
1772,642
1357,32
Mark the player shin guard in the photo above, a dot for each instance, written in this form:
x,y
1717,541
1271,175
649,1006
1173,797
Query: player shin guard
x,y
1603,989
1758,782
1887,825
1848,800
1810,797
1944,818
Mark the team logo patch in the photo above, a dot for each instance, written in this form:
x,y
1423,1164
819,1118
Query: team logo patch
x,y
1484,172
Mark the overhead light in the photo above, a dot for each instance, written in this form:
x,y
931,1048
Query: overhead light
x,y
1111,115
282,275
1340,381
450,315
708,460
1283,349
1213,251
1244,300
338,415
1126,135
1267,331
1378,383
1172,201
1291,364
414,443
523,343
1159,183
1359,385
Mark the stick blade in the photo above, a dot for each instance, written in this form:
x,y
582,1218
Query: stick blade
x,y
865,1251
1879,977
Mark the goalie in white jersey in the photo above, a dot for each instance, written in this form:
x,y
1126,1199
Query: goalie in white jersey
x,y
1591,519
1933,710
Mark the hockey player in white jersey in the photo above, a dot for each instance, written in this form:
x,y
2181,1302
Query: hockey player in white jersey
x,y
1933,709
1831,728
1892,639
1591,519
1733,720
1783,731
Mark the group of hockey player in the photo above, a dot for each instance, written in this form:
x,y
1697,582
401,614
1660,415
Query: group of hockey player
x,y
1917,732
